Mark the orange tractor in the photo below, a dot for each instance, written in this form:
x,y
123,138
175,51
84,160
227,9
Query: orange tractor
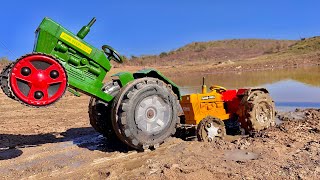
x,y
249,110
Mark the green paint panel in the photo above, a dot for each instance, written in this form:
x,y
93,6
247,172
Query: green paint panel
x,y
86,65
124,77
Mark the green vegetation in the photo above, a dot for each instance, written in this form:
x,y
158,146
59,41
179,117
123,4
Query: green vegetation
x,y
163,54
306,45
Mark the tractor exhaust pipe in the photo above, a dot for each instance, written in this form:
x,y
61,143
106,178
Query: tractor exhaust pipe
x,y
85,29
204,87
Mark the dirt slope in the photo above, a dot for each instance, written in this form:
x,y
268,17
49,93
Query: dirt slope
x,y
58,143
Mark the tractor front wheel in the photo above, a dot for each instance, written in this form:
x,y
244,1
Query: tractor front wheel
x,y
210,128
144,113
100,111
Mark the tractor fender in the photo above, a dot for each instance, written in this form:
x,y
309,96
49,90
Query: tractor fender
x,y
247,92
156,74
124,78
257,89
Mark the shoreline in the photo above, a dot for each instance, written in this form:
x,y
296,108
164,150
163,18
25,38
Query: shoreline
x,y
224,67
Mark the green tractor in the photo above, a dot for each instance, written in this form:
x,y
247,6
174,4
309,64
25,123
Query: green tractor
x,y
140,109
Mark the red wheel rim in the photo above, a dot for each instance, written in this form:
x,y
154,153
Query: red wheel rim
x,y
38,80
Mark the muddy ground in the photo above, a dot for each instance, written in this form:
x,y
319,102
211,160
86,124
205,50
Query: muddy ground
x,y
58,143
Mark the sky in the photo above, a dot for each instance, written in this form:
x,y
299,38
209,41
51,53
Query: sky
x,y
145,27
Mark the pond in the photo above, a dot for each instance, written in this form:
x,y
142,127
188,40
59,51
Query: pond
x,y
289,88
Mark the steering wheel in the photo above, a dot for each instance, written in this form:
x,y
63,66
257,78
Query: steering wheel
x,y
218,88
112,54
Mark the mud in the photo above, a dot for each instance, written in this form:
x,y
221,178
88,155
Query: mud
x,y
58,143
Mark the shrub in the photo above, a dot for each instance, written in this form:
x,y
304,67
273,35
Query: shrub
x,y
4,60
163,54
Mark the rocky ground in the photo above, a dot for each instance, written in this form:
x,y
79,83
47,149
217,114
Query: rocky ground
x,y
58,143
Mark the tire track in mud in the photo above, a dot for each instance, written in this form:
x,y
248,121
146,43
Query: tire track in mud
x,y
56,159
57,143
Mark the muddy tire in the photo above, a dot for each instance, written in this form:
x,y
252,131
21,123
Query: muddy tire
x,y
210,128
144,113
100,111
258,112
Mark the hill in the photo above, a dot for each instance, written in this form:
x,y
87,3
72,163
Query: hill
x,y
226,56
3,62
233,55
216,51
306,45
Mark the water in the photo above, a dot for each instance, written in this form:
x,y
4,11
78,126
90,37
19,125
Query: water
x,y
290,88
290,94
240,155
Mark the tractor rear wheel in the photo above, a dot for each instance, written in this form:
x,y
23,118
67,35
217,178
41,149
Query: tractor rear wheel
x,y
100,111
144,113
258,111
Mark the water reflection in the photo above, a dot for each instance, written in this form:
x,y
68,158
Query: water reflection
x,y
290,88
290,94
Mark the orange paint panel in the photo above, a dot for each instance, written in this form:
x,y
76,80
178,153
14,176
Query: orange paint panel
x,y
198,106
